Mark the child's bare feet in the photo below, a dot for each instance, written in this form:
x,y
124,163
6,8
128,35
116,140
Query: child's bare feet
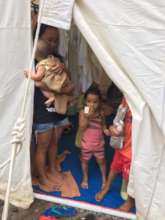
x,y
127,206
49,101
100,195
84,183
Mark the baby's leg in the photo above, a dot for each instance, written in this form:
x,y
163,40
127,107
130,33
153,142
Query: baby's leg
x,y
84,164
50,97
102,166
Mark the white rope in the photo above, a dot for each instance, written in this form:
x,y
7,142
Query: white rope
x,y
16,144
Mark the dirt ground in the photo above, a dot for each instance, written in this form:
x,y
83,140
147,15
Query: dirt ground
x,y
36,209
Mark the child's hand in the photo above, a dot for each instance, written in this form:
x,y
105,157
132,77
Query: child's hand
x,y
114,131
106,132
28,73
90,112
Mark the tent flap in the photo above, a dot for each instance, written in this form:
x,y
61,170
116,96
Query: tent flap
x,y
15,53
57,13
127,38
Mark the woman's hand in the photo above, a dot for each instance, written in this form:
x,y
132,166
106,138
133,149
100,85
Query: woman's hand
x,y
58,68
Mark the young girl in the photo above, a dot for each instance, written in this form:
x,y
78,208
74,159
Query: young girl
x,y
91,122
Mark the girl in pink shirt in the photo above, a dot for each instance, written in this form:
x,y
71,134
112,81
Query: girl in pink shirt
x,y
91,123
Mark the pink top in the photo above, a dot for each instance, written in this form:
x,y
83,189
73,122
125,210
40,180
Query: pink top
x,y
93,138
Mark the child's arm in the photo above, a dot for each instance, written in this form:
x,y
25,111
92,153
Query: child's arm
x,y
39,74
36,76
105,129
83,120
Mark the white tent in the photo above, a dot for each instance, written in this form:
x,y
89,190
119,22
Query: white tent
x,y
128,39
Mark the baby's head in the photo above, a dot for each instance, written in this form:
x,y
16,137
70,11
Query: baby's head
x,y
49,62
93,97
42,50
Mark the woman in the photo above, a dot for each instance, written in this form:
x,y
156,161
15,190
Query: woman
x,y
48,125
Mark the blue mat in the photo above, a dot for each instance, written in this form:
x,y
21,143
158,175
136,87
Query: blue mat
x,y
72,163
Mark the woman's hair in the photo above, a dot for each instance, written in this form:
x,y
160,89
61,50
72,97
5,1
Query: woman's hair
x,y
93,90
42,30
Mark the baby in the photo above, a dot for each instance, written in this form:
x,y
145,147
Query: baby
x,y
50,81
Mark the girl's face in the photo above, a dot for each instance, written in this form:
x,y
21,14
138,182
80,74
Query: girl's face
x,y
93,101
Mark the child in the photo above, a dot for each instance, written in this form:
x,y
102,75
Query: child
x,y
51,82
91,122
122,158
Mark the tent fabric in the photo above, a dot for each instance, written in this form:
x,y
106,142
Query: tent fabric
x,y
15,53
57,13
83,66
127,38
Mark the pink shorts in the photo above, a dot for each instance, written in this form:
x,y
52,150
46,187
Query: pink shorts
x,y
87,154
122,164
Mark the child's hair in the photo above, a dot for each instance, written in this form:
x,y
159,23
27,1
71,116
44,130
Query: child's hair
x,y
114,96
94,90
43,29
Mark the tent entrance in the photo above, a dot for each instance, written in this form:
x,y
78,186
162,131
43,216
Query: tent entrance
x,y
87,197
85,68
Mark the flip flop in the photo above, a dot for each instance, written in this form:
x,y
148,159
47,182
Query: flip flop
x,y
60,211
123,191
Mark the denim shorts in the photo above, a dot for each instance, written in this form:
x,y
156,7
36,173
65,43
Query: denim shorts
x,y
44,127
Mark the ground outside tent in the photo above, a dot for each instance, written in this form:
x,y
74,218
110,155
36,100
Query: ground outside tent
x,y
34,212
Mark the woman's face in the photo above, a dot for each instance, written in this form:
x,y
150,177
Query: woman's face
x,y
51,36
93,101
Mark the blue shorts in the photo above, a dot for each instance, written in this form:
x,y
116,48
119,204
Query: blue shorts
x,y
44,127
